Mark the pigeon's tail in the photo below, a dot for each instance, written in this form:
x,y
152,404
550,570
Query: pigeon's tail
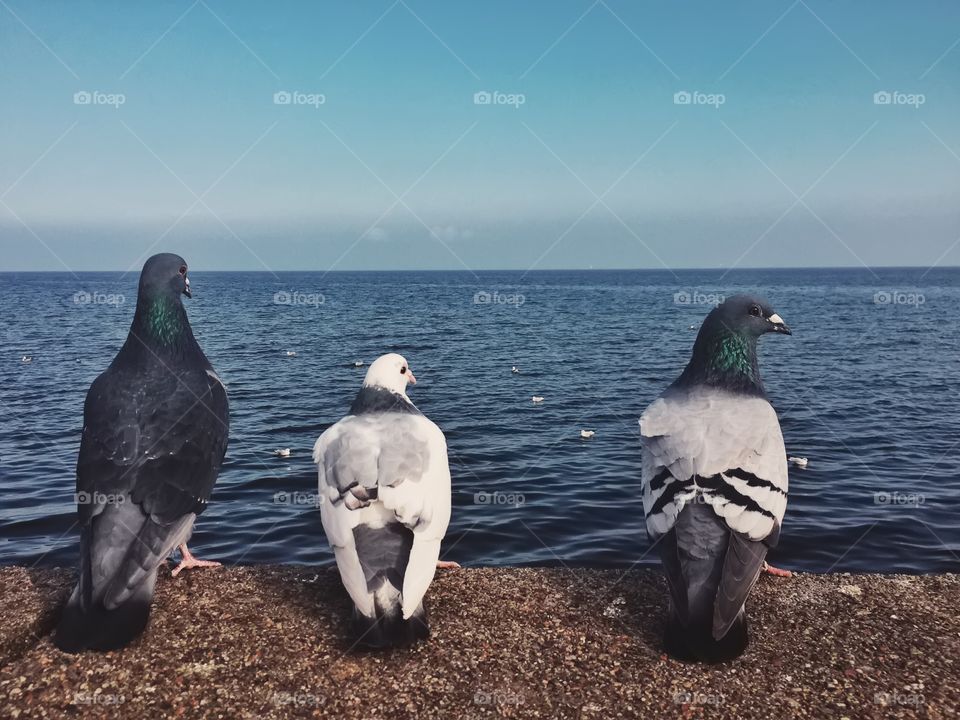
x,y
384,553
91,626
695,642
388,628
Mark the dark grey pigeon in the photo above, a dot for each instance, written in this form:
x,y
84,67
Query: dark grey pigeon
x,y
715,481
154,436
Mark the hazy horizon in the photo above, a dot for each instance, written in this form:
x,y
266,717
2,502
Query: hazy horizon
x,y
405,134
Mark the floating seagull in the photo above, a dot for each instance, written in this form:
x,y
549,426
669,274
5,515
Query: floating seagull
x,y
692,327
385,481
514,369
358,363
26,359
587,433
282,452
291,353
155,428
800,462
537,399
715,481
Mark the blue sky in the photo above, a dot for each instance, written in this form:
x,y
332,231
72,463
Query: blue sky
x,y
783,158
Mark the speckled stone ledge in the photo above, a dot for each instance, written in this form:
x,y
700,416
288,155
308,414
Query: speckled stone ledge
x,y
252,642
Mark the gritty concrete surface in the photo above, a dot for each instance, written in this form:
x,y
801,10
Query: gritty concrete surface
x,y
271,642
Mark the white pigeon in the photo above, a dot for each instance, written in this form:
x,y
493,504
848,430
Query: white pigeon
x,y
385,504
715,481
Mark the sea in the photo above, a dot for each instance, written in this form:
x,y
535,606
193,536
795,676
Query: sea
x,y
866,389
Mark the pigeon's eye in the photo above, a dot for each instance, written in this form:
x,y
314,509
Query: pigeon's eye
x,y
755,311
403,370
183,270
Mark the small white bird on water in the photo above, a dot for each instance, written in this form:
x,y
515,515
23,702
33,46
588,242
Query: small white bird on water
x,y
587,434
291,353
358,363
282,452
514,369
537,399
800,462
26,359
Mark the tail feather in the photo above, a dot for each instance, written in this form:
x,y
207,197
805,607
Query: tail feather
x,y
91,626
694,642
389,629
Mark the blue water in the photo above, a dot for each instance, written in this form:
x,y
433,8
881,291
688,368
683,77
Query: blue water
x,y
866,390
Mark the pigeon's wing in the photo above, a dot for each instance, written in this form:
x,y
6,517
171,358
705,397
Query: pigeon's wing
x,y
392,466
156,445
726,448
727,452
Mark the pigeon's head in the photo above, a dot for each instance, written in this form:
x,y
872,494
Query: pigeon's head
x,y
744,315
165,275
391,372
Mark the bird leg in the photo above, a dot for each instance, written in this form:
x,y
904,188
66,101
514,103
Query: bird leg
x,y
187,560
447,565
776,572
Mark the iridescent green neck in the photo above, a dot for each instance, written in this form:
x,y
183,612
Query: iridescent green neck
x,y
162,320
732,353
724,359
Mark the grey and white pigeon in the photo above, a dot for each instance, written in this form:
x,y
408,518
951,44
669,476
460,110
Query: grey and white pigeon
x,y
715,481
155,427
385,503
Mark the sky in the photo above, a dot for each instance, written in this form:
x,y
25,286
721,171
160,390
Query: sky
x,y
465,135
